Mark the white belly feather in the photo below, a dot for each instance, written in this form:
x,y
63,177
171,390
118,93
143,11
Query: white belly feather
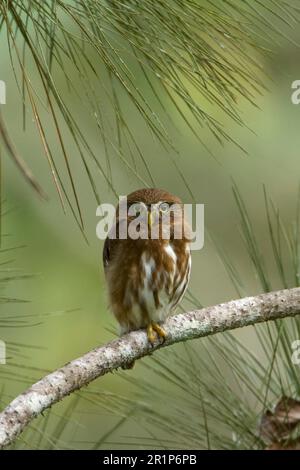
x,y
168,299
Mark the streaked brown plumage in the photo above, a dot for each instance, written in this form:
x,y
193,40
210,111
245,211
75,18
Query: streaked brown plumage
x,y
147,278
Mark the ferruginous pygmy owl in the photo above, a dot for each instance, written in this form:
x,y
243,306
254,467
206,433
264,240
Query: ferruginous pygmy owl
x,y
148,275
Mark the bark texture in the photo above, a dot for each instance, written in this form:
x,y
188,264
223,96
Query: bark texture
x,y
123,351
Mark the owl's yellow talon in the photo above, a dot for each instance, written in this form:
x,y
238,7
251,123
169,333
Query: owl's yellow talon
x,y
160,331
150,334
153,328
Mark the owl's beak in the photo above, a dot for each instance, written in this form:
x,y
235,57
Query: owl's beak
x,y
150,218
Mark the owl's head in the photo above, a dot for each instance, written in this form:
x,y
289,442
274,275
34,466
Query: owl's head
x,y
154,214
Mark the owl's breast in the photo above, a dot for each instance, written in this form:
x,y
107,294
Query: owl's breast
x,y
155,284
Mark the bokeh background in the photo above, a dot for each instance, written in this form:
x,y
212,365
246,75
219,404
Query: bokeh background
x,y
65,313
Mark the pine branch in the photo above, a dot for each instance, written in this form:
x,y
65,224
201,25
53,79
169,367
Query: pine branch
x,y
186,62
20,163
122,351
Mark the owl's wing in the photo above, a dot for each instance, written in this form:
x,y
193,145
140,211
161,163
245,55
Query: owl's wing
x,y
109,249
106,254
110,245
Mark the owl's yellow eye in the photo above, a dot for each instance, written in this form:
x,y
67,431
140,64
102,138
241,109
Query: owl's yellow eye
x,y
136,209
164,207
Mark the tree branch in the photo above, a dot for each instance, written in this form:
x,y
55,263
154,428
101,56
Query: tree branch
x,y
25,170
122,351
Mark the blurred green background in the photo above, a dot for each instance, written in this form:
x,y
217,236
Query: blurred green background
x,y
66,312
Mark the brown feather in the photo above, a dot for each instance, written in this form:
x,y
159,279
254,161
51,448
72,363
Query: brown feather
x,y
146,278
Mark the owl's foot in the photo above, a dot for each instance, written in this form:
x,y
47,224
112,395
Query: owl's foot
x,y
155,327
160,331
150,333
